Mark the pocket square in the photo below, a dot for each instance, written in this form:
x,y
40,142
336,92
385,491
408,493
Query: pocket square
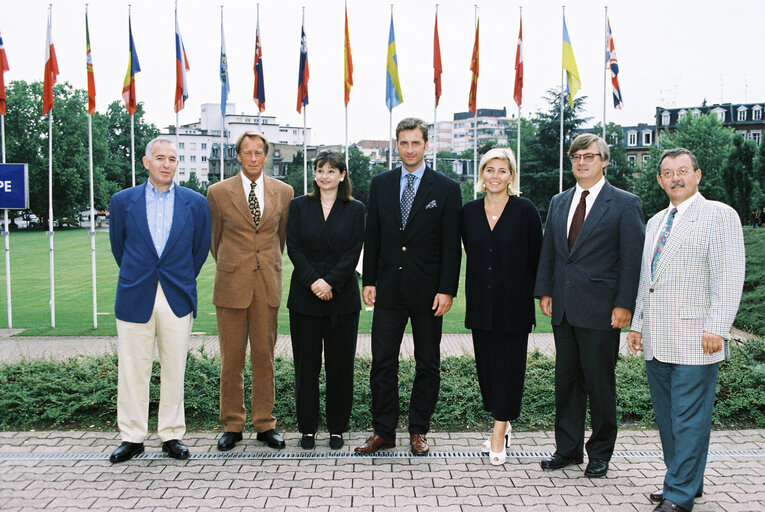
x,y
431,204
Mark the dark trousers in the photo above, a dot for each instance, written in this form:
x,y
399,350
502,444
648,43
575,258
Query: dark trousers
x,y
308,333
585,361
500,362
683,398
387,331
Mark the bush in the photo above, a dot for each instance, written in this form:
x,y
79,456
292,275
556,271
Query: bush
x,y
81,393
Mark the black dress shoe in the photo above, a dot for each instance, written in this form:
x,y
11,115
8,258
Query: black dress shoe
x,y
558,461
336,441
308,441
176,449
669,506
126,451
271,438
657,496
228,440
596,468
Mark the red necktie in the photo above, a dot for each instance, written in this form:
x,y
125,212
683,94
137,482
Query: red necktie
x,y
578,220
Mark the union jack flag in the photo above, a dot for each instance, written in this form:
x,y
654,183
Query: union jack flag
x,y
613,65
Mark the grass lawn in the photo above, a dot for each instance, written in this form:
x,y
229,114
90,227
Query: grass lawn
x,y
30,285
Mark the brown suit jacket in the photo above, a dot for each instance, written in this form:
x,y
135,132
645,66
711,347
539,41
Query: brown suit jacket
x,y
242,251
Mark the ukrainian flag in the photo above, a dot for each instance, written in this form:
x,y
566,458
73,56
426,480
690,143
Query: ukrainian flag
x,y
393,95
569,64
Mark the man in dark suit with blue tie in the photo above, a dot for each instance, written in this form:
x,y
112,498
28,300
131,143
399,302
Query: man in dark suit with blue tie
x,y
412,258
160,235
587,282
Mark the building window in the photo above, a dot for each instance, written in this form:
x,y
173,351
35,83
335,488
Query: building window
x,y
720,113
193,158
204,158
756,136
665,117
632,138
682,114
696,112
741,114
757,113
647,138
182,158
181,145
204,145
192,145
631,160
614,139
646,157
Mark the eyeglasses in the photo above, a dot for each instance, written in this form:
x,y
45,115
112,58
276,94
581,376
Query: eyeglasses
x,y
587,157
681,173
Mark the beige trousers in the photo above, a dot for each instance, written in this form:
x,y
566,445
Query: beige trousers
x,y
136,355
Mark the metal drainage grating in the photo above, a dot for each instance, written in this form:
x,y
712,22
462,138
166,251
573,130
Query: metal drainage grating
x,y
323,455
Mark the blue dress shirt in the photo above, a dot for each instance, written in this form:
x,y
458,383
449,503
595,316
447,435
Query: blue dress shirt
x,y
159,213
418,178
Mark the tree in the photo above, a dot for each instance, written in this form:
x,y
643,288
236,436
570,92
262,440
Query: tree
x,y
194,184
118,165
739,176
706,138
360,173
294,175
619,172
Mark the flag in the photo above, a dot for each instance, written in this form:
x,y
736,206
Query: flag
x,y
518,90
259,90
611,63
51,70
437,69
393,95
472,100
224,78
3,68
569,64
181,66
89,69
302,93
128,86
348,62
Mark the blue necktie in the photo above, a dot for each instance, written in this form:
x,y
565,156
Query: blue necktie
x,y
407,198
661,242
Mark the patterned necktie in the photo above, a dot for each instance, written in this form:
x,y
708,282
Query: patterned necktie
x,y
578,220
662,241
407,198
254,205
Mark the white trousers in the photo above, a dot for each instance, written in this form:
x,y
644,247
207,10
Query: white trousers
x,y
136,355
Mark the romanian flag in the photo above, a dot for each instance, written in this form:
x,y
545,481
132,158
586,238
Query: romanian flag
x,y
181,66
259,91
569,64
128,86
518,89
613,65
302,93
51,70
437,69
472,100
3,68
348,60
89,69
393,94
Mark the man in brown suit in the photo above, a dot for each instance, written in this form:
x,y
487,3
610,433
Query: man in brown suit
x,y
249,222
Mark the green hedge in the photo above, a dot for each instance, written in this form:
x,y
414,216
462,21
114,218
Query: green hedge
x,y
751,314
81,393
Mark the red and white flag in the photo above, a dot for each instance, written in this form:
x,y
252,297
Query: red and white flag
x,y
518,90
3,68
437,69
51,70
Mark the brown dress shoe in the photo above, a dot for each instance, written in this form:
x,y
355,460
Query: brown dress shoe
x,y
669,506
375,443
419,444
657,496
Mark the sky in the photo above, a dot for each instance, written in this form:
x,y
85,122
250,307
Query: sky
x,y
672,53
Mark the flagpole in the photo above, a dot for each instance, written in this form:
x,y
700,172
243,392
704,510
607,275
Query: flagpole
x,y
305,144
475,116
183,63
260,113
50,200
345,63
6,234
223,107
390,120
563,71
435,114
605,37
518,143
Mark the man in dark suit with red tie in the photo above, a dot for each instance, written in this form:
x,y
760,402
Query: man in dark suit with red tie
x,y
411,269
587,283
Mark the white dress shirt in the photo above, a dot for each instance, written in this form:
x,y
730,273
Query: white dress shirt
x,y
588,201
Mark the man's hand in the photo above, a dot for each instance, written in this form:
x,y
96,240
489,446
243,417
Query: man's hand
x,y
545,304
711,343
441,304
635,341
322,289
368,294
620,318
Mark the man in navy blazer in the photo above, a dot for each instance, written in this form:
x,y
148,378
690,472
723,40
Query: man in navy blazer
x,y
160,235
587,282
412,258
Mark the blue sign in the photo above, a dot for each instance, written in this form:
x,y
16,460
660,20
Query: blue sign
x,y
14,187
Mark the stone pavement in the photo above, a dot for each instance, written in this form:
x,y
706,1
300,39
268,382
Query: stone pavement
x,y
454,479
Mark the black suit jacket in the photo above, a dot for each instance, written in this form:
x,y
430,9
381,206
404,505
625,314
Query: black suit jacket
x,y
501,266
603,268
327,249
411,265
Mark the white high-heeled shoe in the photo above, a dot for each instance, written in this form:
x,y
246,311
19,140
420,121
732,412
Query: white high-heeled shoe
x,y
499,458
486,446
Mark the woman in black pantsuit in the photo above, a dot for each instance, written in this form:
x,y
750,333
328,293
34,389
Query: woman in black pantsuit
x,y
324,234
502,236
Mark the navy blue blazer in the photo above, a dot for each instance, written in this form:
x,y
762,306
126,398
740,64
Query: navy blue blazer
x,y
410,265
141,268
603,268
